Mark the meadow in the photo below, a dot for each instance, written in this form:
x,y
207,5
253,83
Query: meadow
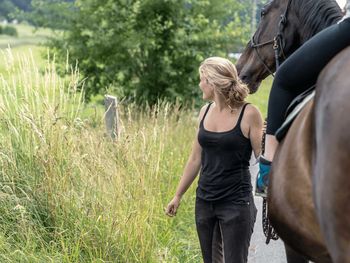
x,y
27,35
68,193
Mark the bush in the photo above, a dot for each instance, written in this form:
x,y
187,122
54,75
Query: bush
x,y
151,49
10,31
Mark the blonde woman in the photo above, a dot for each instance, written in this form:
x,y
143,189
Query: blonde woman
x,y
229,130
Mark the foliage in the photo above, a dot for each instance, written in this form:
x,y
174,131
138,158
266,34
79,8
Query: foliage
x,y
9,8
8,30
54,14
151,49
40,13
24,5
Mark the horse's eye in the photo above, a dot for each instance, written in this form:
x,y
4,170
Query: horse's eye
x,y
262,12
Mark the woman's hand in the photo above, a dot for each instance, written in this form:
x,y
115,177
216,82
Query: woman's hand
x,y
173,206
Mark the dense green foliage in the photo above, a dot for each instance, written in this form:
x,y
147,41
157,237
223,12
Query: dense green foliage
x,y
54,14
8,30
40,13
151,49
8,8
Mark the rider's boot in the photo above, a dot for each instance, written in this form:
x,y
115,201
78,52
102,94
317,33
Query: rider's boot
x,y
262,179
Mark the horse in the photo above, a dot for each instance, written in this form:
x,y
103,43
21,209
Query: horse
x,y
309,181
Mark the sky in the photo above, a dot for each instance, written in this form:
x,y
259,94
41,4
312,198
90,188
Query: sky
x,y
341,3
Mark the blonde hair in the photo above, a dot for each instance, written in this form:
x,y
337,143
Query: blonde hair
x,y
222,73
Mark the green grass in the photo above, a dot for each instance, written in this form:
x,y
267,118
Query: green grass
x,y
260,98
70,194
26,45
27,35
11,58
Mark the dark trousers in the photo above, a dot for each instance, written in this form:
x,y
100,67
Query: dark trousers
x,y
300,71
236,223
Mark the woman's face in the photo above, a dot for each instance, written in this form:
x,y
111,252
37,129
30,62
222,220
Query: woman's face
x,y
207,89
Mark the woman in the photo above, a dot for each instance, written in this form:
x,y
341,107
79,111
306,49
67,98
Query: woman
x,y
298,73
229,130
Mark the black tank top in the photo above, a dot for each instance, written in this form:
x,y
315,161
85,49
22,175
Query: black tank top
x,y
224,174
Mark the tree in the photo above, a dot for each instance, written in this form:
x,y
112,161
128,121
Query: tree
x,y
6,8
24,5
53,14
11,9
149,49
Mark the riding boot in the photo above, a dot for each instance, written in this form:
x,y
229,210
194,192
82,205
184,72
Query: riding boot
x,y
262,179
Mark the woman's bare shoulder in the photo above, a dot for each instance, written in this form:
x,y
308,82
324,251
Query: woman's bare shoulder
x,y
253,113
203,109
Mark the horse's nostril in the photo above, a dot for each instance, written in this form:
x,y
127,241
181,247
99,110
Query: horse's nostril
x,y
244,78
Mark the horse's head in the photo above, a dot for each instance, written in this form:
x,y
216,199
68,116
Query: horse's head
x,y
273,40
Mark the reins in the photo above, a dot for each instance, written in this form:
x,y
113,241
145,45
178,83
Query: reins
x,y
268,230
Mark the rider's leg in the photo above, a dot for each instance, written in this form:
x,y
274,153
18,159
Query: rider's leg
x,y
298,73
272,143
301,69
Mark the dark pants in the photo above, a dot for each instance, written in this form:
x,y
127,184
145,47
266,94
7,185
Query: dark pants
x,y
300,71
236,222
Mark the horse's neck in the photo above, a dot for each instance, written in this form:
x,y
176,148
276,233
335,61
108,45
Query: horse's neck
x,y
314,16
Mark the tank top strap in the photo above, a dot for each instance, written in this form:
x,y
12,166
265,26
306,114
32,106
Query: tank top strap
x,y
241,115
206,111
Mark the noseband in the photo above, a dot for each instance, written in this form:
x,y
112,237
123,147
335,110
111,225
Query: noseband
x,y
277,42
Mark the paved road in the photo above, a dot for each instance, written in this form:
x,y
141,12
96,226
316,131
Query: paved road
x,y
259,252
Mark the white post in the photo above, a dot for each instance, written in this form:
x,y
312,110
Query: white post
x,y
111,116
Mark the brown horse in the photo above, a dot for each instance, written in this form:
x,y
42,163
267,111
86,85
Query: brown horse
x,y
309,184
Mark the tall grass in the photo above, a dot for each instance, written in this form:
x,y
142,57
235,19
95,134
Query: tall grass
x,y
70,194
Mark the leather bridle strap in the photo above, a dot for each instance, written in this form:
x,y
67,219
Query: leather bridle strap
x,y
277,42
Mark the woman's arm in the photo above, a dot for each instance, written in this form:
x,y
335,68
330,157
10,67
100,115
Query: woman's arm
x,y
255,123
190,173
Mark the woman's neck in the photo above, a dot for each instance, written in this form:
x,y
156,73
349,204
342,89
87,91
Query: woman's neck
x,y
220,103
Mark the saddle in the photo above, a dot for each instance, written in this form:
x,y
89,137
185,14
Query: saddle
x,y
293,110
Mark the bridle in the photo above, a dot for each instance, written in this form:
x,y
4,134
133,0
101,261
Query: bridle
x,y
277,42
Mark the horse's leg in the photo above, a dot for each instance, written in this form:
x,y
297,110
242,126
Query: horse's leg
x,y
293,256
332,166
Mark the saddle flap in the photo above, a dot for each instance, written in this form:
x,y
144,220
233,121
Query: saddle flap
x,y
293,110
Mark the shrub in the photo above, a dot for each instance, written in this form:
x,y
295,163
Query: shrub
x,y
10,31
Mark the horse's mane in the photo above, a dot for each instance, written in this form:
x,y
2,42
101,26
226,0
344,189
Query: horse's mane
x,y
316,15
